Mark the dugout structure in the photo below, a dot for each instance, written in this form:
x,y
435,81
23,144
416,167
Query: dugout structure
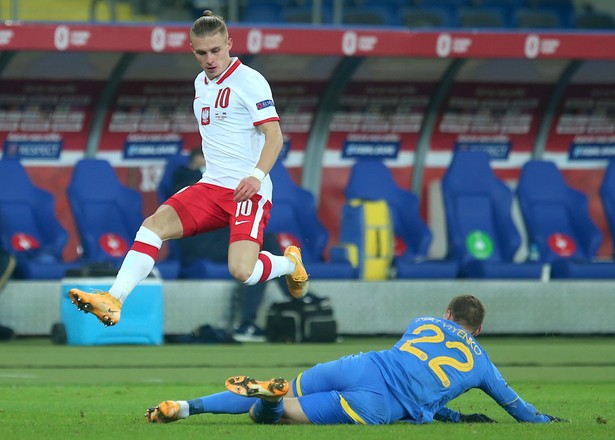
x,y
124,93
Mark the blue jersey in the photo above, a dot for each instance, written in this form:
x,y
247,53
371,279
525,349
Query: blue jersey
x,y
437,360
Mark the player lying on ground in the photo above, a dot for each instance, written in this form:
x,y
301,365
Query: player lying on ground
x,y
435,361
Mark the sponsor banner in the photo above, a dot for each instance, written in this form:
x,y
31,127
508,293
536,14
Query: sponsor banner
x,y
152,146
592,151
376,149
339,41
37,146
496,149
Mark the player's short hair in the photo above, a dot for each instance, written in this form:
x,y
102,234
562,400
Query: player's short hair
x,y
209,24
468,311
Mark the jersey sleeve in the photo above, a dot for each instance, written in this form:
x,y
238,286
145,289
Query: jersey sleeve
x,y
259,100
447,415
497,388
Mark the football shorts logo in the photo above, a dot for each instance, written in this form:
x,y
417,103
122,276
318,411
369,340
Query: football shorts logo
x,y
205,116
264,104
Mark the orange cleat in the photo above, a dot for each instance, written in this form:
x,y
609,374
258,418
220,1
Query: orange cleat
x,y
165,412
298,282
103,305
248,387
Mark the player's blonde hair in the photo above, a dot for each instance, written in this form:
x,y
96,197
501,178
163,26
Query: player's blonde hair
x,y
209,24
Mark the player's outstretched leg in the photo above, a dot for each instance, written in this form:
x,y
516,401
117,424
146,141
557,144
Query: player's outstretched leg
x,y
298,281
165,412
103,305
248,387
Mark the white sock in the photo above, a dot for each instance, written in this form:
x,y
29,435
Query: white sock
x,y
257,273
280,266
136,266
184,410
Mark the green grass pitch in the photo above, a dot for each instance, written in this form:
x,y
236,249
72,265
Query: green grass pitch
x,y
102,392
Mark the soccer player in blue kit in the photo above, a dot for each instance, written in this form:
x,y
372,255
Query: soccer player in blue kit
x,y
435,361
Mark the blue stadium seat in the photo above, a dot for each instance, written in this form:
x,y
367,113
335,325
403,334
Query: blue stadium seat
x,y
29,228
372,180
107,214
481,232
294,218
268,12
565,9
482,17
558,223
607,195
303,14
426,17
446,3
530,18
369,15
591,19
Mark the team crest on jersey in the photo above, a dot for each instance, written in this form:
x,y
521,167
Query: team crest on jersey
x,y
205,116
264,104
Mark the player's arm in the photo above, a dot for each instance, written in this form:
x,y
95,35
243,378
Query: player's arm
x,y
271,150
497,388
526,412
272,147
447,415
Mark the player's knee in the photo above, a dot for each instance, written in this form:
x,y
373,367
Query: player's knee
x,y
241,272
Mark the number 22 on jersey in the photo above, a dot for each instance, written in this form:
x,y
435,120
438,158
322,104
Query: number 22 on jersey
x,y
436,363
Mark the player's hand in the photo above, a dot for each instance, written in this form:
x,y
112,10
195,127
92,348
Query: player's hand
x,y
475,418
556,419
248,186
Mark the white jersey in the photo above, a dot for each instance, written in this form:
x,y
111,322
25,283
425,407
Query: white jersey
x,y
228,110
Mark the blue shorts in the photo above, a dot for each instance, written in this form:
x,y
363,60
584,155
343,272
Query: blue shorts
x,y
348,390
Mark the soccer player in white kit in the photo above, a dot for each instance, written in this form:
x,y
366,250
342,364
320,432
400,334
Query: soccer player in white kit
x,y
241,140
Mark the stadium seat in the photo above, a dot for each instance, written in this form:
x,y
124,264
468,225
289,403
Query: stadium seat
x,y
558,223
303,14
107,214
369,15
372,180
426,17
294,219
445,3
563,8
29,228
529,18
607,195
262,12
481,233
483,17
591,19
